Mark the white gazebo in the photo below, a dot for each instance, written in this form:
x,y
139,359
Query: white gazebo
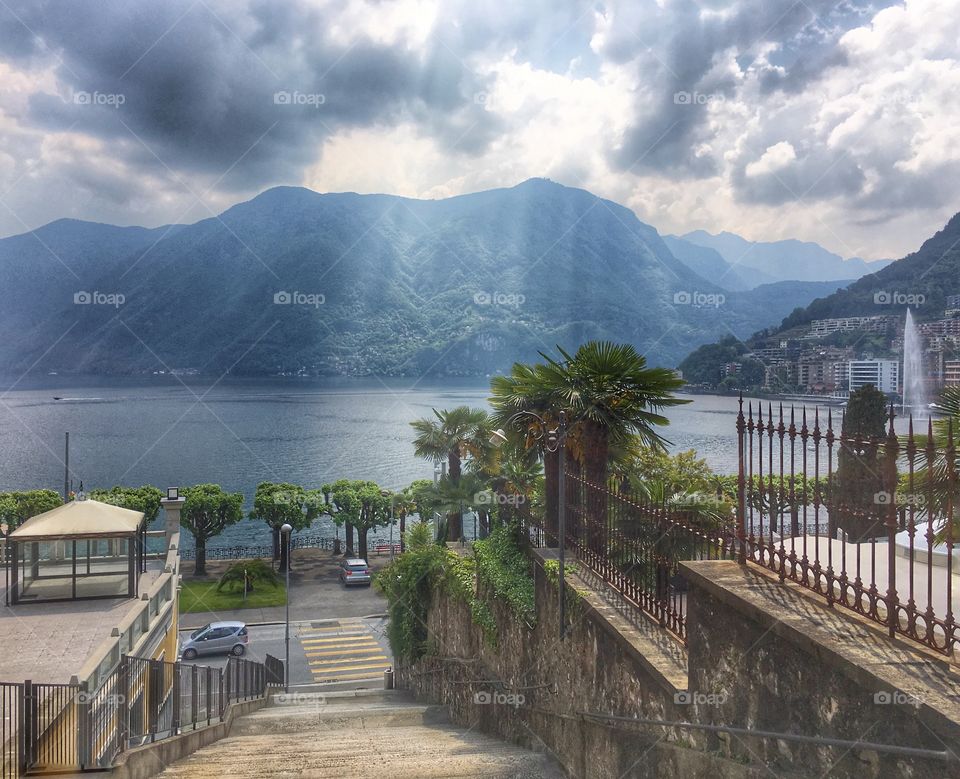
x,y
82,549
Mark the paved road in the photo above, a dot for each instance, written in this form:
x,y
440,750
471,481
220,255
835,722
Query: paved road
x,y
315,593
321,651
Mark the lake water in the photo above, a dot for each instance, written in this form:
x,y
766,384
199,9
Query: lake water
x,y
238,433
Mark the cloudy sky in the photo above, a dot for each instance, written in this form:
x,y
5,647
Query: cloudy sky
x,y
828,120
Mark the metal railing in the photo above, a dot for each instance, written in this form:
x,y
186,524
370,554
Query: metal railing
x,y
636,546
64,727
868,522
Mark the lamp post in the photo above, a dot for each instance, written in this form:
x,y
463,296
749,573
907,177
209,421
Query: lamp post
x,y
285,531
554,441
388,494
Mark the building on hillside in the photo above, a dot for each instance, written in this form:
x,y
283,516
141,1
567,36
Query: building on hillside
x,y
882,374
731,369
819,328
953,302
951,373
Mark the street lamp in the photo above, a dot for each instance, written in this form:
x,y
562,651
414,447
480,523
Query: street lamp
x,y
388,494
285,531
554,440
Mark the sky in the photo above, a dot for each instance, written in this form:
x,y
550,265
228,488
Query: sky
x,y
824,120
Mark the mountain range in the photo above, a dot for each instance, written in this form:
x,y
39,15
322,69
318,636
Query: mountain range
x,y
921,281
294,281
737,263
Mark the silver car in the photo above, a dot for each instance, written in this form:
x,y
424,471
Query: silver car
x,y
354,571
217,638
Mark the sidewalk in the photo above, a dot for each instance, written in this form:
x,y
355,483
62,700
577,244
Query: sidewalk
x,y
315,593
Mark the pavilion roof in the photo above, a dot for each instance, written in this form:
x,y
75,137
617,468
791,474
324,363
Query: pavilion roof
x,y
80,519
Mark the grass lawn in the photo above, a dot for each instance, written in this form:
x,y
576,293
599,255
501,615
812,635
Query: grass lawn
x,y
203,596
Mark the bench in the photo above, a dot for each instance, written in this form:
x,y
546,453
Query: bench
x,y
381,549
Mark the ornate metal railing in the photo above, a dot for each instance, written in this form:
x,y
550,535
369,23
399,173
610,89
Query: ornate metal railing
x,y
869,523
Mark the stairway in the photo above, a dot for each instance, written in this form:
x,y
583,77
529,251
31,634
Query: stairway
x,y
358,734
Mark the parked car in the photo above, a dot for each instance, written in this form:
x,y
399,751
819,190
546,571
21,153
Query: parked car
x,y
355,571
215,639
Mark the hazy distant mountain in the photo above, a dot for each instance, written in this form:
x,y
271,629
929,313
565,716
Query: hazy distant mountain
x,y
296,281
783,260
710,264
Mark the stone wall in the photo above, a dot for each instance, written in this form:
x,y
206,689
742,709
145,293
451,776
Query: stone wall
x,y
535,690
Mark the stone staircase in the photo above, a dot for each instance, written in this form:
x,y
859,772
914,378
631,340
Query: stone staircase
x,y
354,734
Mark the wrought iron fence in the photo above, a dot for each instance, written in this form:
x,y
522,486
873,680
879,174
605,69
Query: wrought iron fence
x,y
636,545
868,522
64,727
11,729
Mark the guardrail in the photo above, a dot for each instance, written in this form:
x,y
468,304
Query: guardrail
x,y
68,727
141,627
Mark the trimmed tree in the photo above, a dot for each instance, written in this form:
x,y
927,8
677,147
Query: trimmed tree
x,y
206,513
279,504
145,499
360,504
17,507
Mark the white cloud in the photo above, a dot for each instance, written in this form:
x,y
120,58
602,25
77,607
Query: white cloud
x,y
775,158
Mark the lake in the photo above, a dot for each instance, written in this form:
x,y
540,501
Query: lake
x,y
237,433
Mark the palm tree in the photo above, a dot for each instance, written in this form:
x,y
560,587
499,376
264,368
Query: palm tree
x,y
938,479
526,389
453,436
609,393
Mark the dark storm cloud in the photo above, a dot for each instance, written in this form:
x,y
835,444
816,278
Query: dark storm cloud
x,y
681,55
201,88
815,175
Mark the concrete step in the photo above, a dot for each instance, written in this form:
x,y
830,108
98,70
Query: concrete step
x,y
398,752
319,717
352,734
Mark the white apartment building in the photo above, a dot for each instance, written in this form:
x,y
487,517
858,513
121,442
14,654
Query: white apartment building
x,y
882,374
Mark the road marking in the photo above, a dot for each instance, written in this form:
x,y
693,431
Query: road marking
x,y
358,651
316,643
381,666
351,677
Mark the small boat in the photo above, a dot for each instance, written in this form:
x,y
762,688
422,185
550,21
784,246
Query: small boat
x,y
57,397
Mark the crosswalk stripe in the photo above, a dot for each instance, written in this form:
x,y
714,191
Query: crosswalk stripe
x,y
341,637
335,644
350,667
337,636
358,651
347,677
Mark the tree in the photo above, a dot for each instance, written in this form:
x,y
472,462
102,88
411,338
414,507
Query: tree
x,y
526,390
453,436
860,464
145,499
280,504
938,478
609,392
206,513
361,505
17,507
